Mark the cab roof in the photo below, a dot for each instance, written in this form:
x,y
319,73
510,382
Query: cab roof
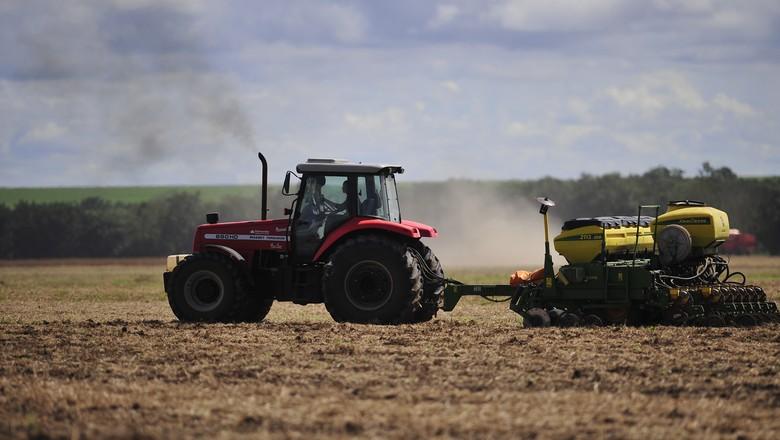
x,y
340,166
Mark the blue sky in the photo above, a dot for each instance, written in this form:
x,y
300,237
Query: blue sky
x,y
142,92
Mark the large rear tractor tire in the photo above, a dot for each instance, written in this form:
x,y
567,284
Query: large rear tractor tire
x,y
210,288
372,279
433,290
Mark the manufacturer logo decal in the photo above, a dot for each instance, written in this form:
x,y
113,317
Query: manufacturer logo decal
x,y
245,237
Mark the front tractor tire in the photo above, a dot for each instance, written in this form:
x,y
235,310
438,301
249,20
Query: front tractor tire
x,y
372,279
211,288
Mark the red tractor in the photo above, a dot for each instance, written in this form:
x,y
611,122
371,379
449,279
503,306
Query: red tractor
x,y
343,244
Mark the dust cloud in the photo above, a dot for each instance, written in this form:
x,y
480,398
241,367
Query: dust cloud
x,y
479,225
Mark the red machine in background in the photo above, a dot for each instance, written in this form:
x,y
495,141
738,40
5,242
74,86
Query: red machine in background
x,y
739,243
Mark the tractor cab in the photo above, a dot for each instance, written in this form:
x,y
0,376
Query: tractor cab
x,y
333,193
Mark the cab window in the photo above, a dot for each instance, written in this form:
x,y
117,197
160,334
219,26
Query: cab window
x,y
325,205
370,200
393,207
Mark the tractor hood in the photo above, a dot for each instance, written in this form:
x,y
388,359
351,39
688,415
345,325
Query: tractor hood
x,y
244,237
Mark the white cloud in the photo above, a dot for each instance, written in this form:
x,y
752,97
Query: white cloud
x,y
658,91
567,135
662,91
48,131
732,105
346,23
646,144
680,90
392,119
451,86
310,22
445,13
551,132
521,129
758,21
190,6
580,108
639,98
545,15
769,151
684,6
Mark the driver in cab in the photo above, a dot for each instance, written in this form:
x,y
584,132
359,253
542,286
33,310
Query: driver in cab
x,y
316,207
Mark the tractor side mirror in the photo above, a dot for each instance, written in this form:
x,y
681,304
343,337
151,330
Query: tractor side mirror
x,y
286,184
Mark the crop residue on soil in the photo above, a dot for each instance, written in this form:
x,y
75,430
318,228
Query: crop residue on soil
x,y
445,378
72,366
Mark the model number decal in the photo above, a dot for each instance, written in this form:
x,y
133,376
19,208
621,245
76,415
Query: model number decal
x,y
245,237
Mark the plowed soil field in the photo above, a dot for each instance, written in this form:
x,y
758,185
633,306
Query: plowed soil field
x,y
92,350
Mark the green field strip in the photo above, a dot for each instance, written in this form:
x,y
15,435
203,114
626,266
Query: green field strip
x,y
124,194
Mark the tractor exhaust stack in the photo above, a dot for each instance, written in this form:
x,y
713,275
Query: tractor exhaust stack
x,y
264,188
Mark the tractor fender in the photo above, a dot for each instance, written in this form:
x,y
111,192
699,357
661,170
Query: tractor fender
x,y
361,224
425,230
230,252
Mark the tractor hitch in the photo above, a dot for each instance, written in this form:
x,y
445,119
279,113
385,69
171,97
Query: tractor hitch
x,y
454,292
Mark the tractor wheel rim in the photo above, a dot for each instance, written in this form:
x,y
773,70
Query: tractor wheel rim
x,y
368,285
204,291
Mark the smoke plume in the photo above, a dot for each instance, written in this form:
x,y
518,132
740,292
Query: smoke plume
x,y
136,76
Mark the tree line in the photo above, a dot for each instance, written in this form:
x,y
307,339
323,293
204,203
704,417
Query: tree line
x,y
98,228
